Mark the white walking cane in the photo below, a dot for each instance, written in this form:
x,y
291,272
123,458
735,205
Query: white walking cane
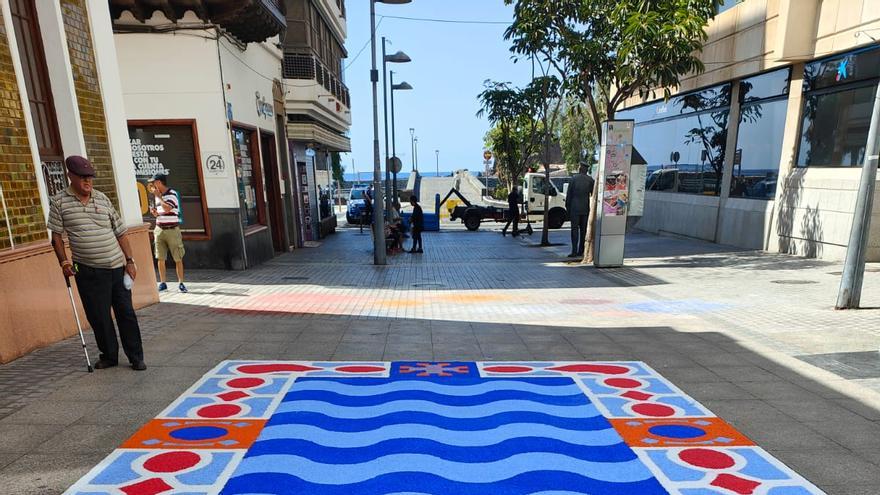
x,y
78,325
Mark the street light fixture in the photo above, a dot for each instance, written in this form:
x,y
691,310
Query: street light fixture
x,y
404,86
395,58
379,257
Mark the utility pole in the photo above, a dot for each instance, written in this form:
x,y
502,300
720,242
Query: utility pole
x,y
850,293
416,151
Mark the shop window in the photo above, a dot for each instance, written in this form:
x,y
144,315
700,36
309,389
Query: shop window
x,y
247,171
683,140
171,147
764,106
838,97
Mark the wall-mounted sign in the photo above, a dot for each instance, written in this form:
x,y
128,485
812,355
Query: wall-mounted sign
x,y
264,108
310,152
168,149
216,166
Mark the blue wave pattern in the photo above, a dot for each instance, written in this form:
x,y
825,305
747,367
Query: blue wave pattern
x,y
371,436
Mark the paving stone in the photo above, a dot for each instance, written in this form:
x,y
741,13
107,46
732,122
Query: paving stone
x,y
44,474
51,413
833,468
21,439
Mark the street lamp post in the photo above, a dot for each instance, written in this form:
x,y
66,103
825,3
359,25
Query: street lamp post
x,y
437,152
412,134
397,58
404,86
416,151
378,206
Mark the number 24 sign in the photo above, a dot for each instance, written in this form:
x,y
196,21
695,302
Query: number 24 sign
x,y
215,165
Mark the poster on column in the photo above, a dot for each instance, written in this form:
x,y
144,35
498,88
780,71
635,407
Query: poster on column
x,y
618,157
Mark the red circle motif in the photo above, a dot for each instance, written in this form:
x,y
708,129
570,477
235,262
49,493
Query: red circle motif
x,y
602,369
707,459
171,462
219,411
653,410
245,382
360,369
507,369
623,383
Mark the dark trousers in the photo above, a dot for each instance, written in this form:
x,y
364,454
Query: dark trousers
x,y
101,290
512,217
417,239
579,233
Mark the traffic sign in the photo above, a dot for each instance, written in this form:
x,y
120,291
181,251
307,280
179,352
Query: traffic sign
x,y
394,165
487,155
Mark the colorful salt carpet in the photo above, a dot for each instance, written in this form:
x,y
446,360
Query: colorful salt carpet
x,y
460,428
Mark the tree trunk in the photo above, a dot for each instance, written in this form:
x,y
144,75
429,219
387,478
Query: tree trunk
x,y
589,255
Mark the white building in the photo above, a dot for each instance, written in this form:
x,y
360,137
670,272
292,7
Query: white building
x,y
203,94
763,150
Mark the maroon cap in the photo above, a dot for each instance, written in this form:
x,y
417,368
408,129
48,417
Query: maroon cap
x,y
79,166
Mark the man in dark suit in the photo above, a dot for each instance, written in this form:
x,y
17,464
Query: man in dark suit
x,y
514,198
417,222
577,203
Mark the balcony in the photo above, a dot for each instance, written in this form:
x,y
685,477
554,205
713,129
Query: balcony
x,y
248,20
309,67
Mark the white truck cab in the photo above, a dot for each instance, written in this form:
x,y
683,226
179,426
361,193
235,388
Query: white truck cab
x,y
534,198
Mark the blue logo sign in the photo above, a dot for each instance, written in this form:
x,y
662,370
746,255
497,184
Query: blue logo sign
x,y
843,70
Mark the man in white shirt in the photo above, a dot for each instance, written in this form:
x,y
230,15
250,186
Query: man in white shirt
x,y
167,234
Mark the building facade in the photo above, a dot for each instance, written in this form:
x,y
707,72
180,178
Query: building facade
x,y
763,150
60,96
204,103
317,104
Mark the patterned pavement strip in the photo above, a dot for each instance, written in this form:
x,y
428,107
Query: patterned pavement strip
x,y
715,320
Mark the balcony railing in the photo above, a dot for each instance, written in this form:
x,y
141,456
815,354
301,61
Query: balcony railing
x,y
309,67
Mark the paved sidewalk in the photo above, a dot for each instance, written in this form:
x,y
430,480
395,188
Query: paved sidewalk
x,y
752,336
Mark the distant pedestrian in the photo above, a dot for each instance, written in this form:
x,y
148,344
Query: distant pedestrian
x,y
167,235
577,203
417,223
514,198
102,257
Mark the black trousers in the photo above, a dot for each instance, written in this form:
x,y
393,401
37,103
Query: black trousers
x,y
417,239
101,290
579,233
512,217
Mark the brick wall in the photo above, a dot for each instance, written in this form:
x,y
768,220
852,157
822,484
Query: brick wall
x,y
17,178
88,94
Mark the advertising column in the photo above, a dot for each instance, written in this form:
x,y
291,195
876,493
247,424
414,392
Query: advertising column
x,y
613,189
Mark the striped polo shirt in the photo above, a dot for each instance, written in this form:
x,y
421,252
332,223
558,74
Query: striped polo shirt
x,y
92,228
170,218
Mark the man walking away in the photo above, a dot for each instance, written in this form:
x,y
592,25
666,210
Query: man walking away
x,y
102,256
417,222
167,234
513,203
577,202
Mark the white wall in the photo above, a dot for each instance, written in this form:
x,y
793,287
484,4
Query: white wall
x,y
178,76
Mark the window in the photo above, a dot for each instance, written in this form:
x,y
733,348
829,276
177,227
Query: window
x,y
764,105
683,140
727,5
171,147
838,98
247,170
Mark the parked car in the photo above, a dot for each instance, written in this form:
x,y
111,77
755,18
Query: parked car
x,y
357,201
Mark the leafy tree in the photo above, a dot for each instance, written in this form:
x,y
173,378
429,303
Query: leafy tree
x,y
512,137
610,50
337,168
577,135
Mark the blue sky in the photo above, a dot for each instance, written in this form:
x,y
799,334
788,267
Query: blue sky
x,y
450,63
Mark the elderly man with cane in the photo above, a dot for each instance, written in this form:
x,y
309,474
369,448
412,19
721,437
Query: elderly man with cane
x,y
102,262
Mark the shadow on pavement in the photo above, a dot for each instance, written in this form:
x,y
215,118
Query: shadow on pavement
x,y
827,434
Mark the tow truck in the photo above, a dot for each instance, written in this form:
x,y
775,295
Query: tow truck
x,y
472,215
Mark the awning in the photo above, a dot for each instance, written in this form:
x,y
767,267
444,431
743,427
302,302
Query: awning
x,y
247,20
